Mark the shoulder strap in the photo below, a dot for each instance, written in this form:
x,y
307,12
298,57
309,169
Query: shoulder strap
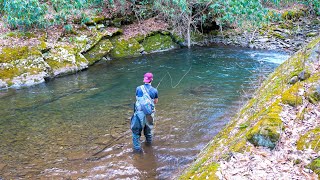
x,y
145,91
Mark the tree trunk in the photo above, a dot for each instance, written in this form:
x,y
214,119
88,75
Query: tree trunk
x,y
188,33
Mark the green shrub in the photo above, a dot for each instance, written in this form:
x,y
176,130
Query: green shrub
x,y
24,13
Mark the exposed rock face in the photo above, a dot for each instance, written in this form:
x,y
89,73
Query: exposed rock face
x,y
26,66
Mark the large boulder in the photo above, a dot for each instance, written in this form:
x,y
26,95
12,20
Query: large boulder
x,y
65,60
98,51
125,48
22,66
158,42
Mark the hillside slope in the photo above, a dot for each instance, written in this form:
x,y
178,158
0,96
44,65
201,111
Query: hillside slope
x,y
277,133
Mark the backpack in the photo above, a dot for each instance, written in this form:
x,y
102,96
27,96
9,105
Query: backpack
x,y
145,102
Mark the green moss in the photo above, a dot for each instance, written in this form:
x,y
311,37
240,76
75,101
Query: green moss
x,y
291,96
267,131
140,38
315,166
64,57
292,14
177,39
7,74
277,35
98,51
201,171
158,42
286,25
19,34
9,54
312,34
125,48
310,139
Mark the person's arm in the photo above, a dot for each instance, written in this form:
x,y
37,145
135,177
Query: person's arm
x,y
155,100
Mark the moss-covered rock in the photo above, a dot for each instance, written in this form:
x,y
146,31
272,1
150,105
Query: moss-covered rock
x,y
310,139
266,132
21,66
125,48
315,166
9,54
158,42
291,95
98,51
65,60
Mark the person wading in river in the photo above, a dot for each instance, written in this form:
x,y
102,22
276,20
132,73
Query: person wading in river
x,y
143,117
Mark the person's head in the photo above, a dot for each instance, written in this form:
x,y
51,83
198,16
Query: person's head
x,y
148,77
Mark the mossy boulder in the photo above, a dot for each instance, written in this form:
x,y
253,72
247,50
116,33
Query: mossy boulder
x,y
98,51
291,96
65,60
266,132
158,42
21,66
310,139
125,48
315,166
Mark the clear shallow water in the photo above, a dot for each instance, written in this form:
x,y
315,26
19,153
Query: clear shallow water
x,y
77,126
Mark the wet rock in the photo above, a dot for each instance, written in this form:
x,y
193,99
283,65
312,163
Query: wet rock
x,y
293,80
303,75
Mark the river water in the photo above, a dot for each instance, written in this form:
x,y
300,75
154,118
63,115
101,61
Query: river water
x,y
76,127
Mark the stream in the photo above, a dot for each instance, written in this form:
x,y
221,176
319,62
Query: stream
x,y
77,126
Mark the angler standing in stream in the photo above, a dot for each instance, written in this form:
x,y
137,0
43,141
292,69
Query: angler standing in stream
x,y
144,110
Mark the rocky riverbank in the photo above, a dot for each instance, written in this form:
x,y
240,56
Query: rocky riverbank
x,y
295,30
31,58
276,134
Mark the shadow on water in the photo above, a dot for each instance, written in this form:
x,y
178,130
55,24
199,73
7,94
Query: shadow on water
x,y
77,127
